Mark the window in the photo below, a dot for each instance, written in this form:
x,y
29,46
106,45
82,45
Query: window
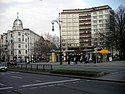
x,y
94,26
19,51
22,37
11,52
19,46
101,25
100,21
19,39
25,39
106,15
11,41
94,13
95,21
100,12
100,16
26,51
25,45
19,33
106,11
106,20
11,35
94,17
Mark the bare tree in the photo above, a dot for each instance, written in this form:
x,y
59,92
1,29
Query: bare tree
x,y
42,47
120,30
54,39
116,37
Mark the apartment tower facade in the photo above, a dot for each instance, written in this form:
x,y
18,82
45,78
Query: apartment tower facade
x,y
82,28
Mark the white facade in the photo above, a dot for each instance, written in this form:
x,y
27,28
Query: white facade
x,y
70,30
20,41
99,21
83,27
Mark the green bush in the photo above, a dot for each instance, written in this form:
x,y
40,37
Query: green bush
x,y
78,72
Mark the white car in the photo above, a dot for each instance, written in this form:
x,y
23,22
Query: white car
x,y
3,68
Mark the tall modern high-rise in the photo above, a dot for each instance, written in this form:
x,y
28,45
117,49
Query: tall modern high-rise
x,y
19,42
82,28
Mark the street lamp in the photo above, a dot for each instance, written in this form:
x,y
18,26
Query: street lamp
x,y
58,21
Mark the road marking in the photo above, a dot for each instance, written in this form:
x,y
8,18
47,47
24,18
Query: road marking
x,y
5,88
47,83
17,77
38,81
1,84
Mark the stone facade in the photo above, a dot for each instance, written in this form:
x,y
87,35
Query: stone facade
x,y
20,41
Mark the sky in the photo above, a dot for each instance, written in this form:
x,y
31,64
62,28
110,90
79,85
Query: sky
x,y
38,14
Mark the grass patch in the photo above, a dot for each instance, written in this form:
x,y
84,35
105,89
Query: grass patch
x,y
79,72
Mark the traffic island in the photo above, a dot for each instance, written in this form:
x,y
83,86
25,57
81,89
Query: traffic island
x,y
63,72
79,73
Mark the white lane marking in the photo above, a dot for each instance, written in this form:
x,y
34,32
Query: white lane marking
x,y
47,83
5,88
1,84
17,77
38,81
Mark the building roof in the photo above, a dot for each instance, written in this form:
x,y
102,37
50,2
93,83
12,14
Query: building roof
x,y
17,22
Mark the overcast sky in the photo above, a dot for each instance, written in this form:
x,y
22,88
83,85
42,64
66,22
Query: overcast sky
x,y
38,14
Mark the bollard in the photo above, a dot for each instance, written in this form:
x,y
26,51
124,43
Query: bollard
x,y
43,67
26,66
31,67
37,67
51,67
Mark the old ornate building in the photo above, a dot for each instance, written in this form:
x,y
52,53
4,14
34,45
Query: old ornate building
x,y
19,42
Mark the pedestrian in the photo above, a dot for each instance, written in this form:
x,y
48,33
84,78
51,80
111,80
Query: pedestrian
x,y
68,60
81,59
110,58
76,59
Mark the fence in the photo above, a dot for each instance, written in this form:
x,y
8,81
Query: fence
x,y
34,66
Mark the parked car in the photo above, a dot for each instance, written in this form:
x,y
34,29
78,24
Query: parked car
x,y
3,68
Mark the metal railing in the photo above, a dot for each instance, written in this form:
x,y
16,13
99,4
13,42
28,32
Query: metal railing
x,y
33,66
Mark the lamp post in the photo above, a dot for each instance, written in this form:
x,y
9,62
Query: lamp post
x,y
58,21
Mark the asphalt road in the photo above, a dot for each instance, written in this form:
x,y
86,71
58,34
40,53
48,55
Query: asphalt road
x,y
25,83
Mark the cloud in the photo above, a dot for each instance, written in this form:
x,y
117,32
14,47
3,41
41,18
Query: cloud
x,y
35,14
17,1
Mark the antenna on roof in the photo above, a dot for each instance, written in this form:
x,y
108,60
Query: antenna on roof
x,y
17,15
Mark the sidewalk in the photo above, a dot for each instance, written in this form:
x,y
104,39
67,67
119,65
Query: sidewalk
x,y
115,76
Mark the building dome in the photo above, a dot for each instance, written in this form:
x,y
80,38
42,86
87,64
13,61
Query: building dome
x,y
17,24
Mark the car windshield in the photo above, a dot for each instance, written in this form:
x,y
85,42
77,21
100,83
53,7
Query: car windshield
x,y
1,65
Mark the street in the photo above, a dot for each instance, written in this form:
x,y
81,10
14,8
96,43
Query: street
x,y
26,83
